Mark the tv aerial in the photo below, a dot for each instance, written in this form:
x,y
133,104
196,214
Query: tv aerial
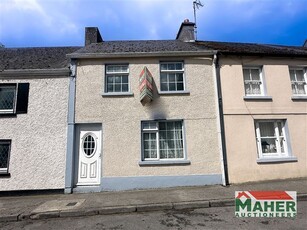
x,y
196,5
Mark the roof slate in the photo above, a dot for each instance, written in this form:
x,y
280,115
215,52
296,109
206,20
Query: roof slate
x,y
35,58
254,49
142,46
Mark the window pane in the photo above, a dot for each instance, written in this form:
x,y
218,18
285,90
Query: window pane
x,y
7,95
255,89
171,77
163,66
171,66
117,88
267,129
281,141
292,75
163,77
163,154
179,66
4,153
179,77
280,126
255,74
268,145
172,86
125,79
246,74
248,88
179,86
110,79
164,87
301,89
110,88
294,91
125,88
118,79
300,75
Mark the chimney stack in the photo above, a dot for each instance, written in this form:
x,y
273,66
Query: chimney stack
x,y
92,35
186,31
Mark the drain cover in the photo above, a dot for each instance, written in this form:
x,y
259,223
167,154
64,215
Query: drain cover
x,y
71,204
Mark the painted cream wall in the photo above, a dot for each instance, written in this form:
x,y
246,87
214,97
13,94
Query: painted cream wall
x,y
239,116
121,117
39,137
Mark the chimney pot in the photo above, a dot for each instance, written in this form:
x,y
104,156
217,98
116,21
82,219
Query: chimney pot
x,y
186,21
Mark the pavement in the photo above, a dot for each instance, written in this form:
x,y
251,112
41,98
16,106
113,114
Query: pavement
x,y
18,208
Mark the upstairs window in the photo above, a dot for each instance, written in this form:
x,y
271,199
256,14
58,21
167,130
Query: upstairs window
x,y
162,140
298,81
117,78
7,98
5,147
253,81
172,76
14,98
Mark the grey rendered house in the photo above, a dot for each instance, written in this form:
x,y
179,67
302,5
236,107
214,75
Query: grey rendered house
x,y
34,86
145,115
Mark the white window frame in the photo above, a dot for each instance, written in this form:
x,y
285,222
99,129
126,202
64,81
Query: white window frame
x,y
6,170
156,131
173,71
116,73
261,81
278,154
304,69
10,111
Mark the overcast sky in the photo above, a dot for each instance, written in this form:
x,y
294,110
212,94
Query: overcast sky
x,y
25,23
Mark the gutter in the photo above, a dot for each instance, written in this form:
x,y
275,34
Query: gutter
x,y
69,170
221,124
142,54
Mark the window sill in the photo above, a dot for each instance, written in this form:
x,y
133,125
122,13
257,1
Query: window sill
x,y
5,175
126,94
166,162
297,97
276,159
250,98
184,92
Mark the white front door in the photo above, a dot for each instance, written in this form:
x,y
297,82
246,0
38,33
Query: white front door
x,y
89,156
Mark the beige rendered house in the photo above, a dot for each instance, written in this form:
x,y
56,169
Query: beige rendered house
x,y
263,92
34,86
145,116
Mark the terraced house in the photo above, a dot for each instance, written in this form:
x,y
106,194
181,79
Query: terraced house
x,y
145,116
264,93
34,86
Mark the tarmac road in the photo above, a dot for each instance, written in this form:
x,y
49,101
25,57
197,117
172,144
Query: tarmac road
x,y
206,218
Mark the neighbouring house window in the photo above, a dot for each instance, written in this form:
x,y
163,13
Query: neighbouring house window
x,y
14,98
298,81
253,81
172,76
5,146
162,140
7,98
271,138
117,78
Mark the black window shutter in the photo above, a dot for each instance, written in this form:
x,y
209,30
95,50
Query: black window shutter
x,y
22,98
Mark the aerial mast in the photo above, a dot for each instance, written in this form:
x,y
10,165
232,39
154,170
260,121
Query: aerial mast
x,y
196,5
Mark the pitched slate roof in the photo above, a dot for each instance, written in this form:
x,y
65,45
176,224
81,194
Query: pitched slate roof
x,y
35,58
142,46
254,49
